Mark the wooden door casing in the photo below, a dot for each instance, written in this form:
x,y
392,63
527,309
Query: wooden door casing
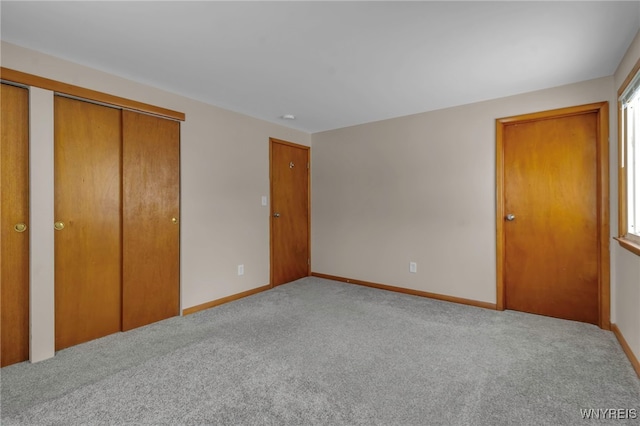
x,y
290,211
14,247
150,221
552,176
87,200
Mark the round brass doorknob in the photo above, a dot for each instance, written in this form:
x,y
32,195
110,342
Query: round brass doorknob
x,y
59,226
20,227
174,220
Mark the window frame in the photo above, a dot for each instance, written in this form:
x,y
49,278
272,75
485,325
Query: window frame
x,y
626,240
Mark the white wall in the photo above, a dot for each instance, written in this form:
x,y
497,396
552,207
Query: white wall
x,y
626,265
225,171
421,188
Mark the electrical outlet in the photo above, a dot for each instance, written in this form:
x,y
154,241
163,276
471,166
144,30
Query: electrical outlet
x,y
264,200
240,269
413,267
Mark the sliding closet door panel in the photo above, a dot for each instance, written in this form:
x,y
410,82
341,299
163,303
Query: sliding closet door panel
x,y
151,229
87,221
14,220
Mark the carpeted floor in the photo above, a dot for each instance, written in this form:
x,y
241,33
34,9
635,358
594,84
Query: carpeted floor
x,y
322,352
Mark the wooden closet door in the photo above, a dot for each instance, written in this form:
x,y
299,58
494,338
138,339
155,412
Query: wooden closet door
x,y
87,214
151,230
14,219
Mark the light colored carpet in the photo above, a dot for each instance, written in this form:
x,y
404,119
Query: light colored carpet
x,y
322,352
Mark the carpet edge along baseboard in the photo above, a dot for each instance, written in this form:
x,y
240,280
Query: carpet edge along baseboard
x,y
626,348
436,296
231,298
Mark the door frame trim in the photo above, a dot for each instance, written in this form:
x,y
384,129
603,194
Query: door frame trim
x,y
602,189
273,141
31,80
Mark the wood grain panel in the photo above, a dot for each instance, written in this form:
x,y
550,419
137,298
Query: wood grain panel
x,y
151,200
87,200
289,200
14,247
552,246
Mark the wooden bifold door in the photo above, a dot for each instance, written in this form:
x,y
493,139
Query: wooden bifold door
x,y
116,225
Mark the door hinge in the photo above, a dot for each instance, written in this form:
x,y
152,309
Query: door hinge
x,y
307,165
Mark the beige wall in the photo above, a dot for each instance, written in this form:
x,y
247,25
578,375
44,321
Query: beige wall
x,y
41,296
417,188
626,299
225,171
421,188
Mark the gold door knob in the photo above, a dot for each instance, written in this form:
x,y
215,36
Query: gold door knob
x,y
20,227
174,220
59,226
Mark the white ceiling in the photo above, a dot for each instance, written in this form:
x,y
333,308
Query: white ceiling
x,y
333,64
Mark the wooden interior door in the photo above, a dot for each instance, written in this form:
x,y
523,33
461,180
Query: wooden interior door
x,y
551,214
290,256
151,230
87,139
14,220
